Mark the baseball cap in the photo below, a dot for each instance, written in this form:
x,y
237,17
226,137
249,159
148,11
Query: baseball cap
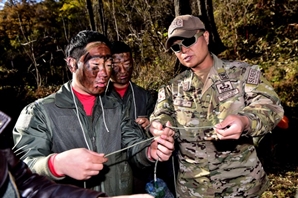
x,y
184,26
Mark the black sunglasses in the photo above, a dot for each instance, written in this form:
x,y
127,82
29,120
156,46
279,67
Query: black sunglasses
x,y
187,42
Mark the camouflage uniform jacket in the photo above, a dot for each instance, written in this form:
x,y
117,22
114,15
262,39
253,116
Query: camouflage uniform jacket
x,y
226,168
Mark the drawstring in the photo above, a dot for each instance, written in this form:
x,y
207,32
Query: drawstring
x,y
103,114
107,87
84,134
134,99
155,168
77,111
133,96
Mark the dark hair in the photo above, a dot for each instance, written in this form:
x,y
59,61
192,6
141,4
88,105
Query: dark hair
x,y
120,47
76,46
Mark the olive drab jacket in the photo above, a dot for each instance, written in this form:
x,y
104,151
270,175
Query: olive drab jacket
x,y
217,168
58,123
140,100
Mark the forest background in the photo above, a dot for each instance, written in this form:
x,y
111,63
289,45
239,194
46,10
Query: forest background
x,y
33,35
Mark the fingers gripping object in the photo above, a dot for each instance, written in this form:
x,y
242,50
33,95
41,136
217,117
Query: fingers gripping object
x,y
209,133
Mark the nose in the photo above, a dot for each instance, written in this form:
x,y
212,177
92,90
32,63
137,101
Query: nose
x,y
183,49
102,71
122,69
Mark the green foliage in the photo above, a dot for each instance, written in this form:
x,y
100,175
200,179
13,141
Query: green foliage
x,y
33,36
264,33
143,26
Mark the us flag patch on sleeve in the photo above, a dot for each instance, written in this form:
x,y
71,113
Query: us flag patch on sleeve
x,y
253,77
161,95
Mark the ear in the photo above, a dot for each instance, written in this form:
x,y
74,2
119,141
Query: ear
x,y
206,37
72,64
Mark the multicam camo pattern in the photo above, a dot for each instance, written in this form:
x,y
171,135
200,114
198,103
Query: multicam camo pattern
x,y
222,168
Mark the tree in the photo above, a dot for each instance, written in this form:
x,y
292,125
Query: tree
x,y
91,14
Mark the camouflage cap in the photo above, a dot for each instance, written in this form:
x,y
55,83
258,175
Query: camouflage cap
x,y
184,26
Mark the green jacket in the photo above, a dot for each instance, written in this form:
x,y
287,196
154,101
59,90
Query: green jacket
x,y
139,101
224,167
51,125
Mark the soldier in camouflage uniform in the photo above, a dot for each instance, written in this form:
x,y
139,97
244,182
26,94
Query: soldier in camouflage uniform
x,y
216,107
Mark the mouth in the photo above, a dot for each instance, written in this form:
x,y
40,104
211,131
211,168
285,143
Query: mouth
x,y
123,77
99,84
187,58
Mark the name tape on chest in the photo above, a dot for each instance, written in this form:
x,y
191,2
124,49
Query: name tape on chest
x,y
182,102
228,94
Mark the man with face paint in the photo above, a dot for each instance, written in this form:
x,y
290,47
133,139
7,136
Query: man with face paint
x,y
137,100
68,135
127,93
17,180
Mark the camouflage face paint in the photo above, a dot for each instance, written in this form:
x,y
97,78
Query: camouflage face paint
x,y
122,68
94,68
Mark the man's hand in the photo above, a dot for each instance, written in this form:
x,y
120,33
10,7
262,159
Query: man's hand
x,y
163,145
157,129
232,127
143,121
79,163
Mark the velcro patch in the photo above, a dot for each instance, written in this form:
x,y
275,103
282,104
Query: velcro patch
x,y
186,86
223,76
253,77
186,103
225,95
224,86
161,95
178,101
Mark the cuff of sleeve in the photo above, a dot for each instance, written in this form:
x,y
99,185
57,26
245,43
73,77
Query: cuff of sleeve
x,y
251,122
147,131
142,157
41,167
51,166
149,154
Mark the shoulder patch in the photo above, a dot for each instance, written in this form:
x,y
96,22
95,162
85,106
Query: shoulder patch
x,y
253,77
161,95
186,85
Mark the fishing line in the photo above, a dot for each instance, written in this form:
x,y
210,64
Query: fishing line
x,y
171,127
202,127
130,146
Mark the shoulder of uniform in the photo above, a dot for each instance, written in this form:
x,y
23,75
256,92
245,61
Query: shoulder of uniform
x,y
235,63
183,75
